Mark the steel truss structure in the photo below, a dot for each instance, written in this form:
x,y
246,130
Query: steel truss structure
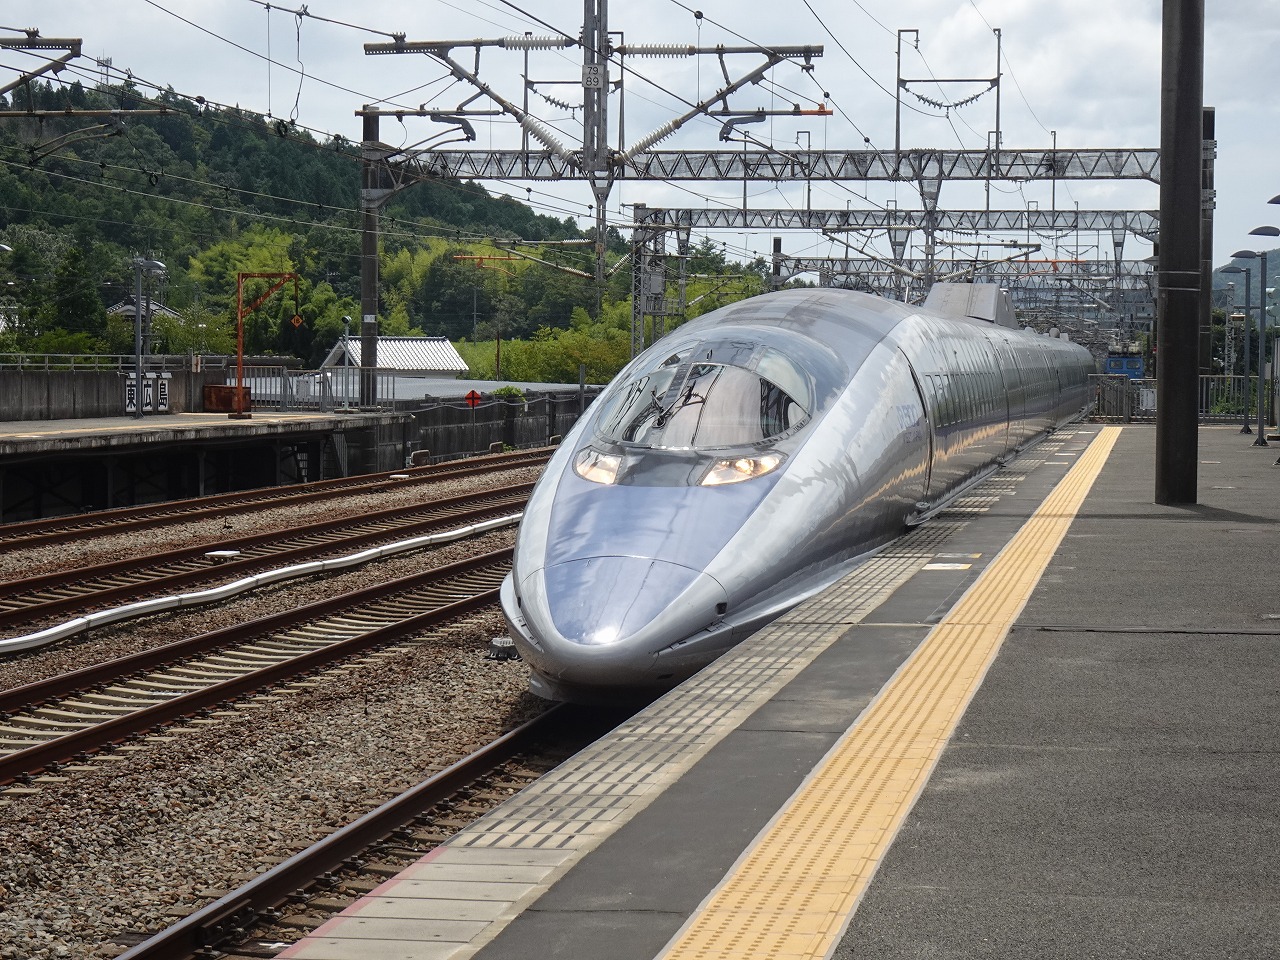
x,y
600,165
914,166
1143,223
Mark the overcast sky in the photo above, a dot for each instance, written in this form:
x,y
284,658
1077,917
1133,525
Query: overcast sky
x,y
1086,72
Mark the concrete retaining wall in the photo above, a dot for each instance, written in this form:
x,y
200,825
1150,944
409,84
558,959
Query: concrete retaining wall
x,y
77,394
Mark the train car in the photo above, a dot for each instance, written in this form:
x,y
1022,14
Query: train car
x,y
1128,363
749,459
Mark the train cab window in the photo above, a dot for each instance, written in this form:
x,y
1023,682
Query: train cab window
x,y
715,395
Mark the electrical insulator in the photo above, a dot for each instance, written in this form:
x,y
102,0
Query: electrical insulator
x,y
664,131
539,132
660,50
535,43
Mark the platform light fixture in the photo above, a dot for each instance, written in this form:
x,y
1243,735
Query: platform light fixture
x,y
1264,231
1248,312
1261,439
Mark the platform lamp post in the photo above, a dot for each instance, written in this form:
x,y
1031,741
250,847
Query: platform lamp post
x,y
1268,231
1231,308
1261,439
141,265
1248,312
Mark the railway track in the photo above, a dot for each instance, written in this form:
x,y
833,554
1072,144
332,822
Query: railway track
x,y
318,881
39,599
68,717
55,530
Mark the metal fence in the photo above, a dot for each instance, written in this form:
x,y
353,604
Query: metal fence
x,y
1223,399
282,389
452,428
88,362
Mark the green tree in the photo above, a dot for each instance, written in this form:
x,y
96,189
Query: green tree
x,y
64,342
71,302
196,330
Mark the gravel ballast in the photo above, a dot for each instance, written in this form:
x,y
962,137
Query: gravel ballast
x,y
136,839
154,833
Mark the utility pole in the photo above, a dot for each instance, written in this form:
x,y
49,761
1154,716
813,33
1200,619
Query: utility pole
x,y
371,199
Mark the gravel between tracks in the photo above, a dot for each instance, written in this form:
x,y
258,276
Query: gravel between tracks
x,y
149,834
161,830
150,632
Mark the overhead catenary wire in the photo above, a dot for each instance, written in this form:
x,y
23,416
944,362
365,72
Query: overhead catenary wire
x,y
236,115
564,207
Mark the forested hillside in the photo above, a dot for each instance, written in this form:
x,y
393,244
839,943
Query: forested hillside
x,y
213,193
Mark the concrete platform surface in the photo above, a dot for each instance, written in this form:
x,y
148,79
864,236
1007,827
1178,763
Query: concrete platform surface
x,y
1111,789
36,436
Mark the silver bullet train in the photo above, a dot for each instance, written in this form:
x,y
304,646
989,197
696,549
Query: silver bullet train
x,y
750,458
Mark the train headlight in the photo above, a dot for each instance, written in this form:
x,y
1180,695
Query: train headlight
x,y
596,466
740,468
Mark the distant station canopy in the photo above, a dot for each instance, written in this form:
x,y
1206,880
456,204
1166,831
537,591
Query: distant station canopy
x,y
410,356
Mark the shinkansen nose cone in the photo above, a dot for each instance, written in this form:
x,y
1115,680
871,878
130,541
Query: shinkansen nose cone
x,y
600,621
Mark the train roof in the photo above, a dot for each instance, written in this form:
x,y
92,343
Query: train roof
x,y
977,301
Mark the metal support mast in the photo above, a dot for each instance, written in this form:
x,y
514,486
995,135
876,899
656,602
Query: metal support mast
x,y
1178,300
371,198
648,279
595,128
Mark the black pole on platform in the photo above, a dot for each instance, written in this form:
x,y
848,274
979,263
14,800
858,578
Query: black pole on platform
x,y
371,198
1178,299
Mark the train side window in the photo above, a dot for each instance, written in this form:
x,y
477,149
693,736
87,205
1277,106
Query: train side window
x,y
975,383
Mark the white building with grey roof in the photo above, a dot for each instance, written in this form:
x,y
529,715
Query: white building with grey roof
x,y
432,357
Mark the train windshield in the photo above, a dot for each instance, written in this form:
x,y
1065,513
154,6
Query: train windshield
x,y
710,396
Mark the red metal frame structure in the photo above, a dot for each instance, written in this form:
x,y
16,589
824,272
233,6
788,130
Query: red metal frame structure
x,y
241,312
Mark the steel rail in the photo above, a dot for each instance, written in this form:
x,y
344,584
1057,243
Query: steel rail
x,y
23,763
233,588
155,572
54,530
231,915
52,688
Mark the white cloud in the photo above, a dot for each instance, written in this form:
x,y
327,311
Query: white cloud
x,y
1088,70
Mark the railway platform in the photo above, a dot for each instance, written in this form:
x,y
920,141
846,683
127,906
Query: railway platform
x,y
90,433
1042,725
32,439
51,468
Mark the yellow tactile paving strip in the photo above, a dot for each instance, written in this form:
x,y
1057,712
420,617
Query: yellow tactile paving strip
x,y
793,892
